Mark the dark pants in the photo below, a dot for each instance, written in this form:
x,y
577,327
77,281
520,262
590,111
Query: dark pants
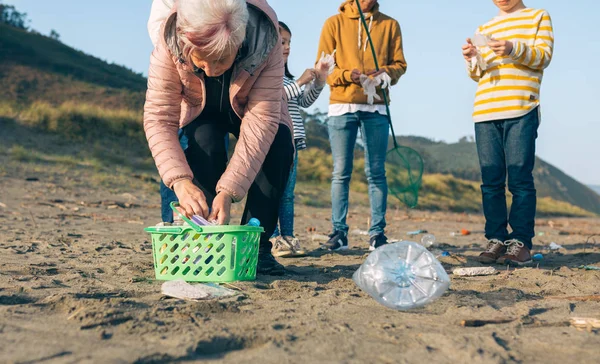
x,y
166,194
286,206
207,157
507,148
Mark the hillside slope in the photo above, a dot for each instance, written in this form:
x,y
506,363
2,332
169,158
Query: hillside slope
x,y
37,68
460,160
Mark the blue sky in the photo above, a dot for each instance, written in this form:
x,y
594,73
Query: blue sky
x,y
433,99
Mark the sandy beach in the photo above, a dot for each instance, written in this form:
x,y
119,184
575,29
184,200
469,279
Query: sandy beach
x,y
77,286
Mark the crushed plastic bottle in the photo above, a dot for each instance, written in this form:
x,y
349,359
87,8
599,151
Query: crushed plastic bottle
x,y
185,291
553,246
428,240
402,276
199,220
177,220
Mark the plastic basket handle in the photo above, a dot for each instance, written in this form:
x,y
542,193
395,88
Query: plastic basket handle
x,y
174,206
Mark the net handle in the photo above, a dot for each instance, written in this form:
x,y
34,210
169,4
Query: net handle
x,y
385,99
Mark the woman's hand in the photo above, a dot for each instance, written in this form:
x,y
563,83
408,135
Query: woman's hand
x,y
191,198
221,208
308,75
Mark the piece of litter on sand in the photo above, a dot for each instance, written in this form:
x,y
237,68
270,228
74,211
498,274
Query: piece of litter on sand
x,y
359,232
594,297
140,279
554,246
479,323
588,267
462,232
537,257
185,291
475,271
416,232
319,237
402,276
437,253
3,205
585,323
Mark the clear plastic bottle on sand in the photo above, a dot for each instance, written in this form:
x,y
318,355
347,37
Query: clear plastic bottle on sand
x,y
402,276
428,240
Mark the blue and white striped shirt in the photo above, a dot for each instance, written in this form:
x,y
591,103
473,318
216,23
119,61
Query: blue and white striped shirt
x,y
298,98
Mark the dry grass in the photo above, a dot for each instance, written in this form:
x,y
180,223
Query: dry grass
x,y
439,192
79,121
107,147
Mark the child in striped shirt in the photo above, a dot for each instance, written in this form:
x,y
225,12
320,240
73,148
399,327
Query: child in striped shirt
x,y
313,80
507,58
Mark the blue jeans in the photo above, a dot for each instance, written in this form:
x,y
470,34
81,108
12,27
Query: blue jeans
x,y
167,195
507,147
286,206
342,136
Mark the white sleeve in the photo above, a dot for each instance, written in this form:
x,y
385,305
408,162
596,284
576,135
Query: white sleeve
x,y
158,13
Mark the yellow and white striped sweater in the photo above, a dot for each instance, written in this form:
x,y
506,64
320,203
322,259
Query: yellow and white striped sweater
x,y
509,86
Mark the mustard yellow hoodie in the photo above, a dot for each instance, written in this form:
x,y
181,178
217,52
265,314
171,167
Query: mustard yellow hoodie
x,y
343,33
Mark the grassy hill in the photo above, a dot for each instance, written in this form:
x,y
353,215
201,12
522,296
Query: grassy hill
x,y
460,160
66,113
452,177
38,68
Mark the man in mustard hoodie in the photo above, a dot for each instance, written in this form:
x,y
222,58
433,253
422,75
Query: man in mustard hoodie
x,y
349,110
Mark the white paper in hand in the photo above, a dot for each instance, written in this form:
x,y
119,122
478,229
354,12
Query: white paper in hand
x,y
480,40
478,64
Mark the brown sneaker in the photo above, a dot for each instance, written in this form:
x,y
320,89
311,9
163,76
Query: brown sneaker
x,y
281,248
495,250
295,244
517,254
286,247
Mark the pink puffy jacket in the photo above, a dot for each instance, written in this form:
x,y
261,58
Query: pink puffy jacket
x,y
175,97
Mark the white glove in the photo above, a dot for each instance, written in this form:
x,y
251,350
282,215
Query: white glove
x,y
480,40
370,84
326,62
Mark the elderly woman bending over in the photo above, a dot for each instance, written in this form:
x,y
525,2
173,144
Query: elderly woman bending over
x,y
218,68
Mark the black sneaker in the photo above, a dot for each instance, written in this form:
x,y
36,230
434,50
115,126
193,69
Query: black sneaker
x,y
267,265
376,241
337,241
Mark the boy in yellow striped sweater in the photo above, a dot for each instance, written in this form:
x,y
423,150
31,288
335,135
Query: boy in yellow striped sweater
x,y
507,58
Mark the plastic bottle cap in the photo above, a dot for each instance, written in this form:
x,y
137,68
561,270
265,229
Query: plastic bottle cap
x,y
253,222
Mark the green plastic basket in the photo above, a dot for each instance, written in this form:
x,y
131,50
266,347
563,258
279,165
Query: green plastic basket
x,y
224,253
